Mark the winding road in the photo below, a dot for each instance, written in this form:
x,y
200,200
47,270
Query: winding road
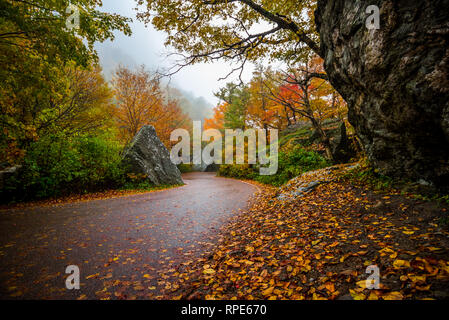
x,y
122,246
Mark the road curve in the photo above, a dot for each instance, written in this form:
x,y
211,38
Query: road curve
x,y
120,245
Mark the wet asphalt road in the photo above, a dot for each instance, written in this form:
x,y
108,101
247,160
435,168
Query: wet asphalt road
x,y
122,246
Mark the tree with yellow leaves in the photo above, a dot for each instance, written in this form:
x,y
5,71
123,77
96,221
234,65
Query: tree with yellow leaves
x,y
141,101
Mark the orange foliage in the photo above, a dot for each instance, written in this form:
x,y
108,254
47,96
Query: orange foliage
x,y
217,121
140,102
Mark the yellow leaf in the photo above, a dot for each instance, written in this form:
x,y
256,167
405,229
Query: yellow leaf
x,y
373,296
394,255
209,271
361,284
417,278
357,296
330,287
423,288
401,264
268,291
395,295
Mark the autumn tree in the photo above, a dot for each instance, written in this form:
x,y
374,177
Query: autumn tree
x,y
222,29
307,97
86,105
71,101
172,118
41,61
263,112
217,121
141,101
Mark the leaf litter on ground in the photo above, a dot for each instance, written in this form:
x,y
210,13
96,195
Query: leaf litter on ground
x,y
319,245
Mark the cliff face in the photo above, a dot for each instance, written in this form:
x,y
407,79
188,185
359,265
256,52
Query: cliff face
x,y
394,79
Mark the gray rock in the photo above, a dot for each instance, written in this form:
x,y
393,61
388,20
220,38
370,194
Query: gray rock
x,y
148,155
282,197
311,186
395,81
7,174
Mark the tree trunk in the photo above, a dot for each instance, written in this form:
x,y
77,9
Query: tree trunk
x,y
394,79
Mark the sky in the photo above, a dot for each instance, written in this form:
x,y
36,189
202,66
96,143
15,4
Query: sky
x,y
146,46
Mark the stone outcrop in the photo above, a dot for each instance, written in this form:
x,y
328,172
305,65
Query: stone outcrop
x,y
147,155
309,181
395,81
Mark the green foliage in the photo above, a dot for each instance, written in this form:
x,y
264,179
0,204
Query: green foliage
x,y
300,136
45,83
237,98
292,163
39,26
57,165
365,174
239,171
185,168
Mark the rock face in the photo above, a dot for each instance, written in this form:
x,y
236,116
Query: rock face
x,y
148,155
394,79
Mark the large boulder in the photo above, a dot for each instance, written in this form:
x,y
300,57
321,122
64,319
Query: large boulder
x,y
395,81
147,155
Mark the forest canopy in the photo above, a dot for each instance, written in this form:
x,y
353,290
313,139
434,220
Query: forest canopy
x,y
62,122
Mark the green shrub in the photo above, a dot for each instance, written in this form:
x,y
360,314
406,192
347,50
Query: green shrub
x,y
185,168
292,163
365,174
57,165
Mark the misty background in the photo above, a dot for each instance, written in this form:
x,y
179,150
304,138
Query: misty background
x,y
194,86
